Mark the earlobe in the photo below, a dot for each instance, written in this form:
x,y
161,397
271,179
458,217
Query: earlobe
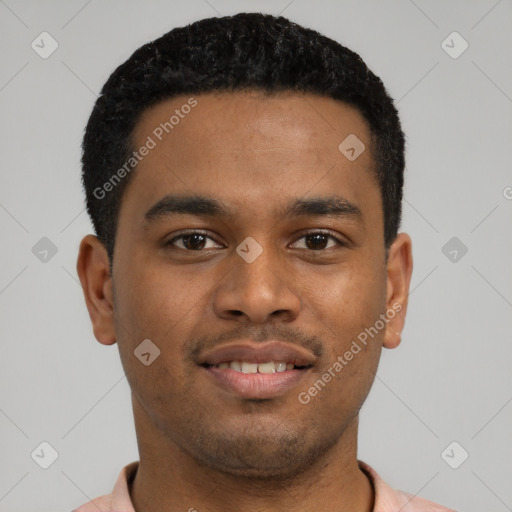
x,y
399,270
93,268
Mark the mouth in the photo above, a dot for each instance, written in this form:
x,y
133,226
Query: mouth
x,y
257,370
252,367
254,383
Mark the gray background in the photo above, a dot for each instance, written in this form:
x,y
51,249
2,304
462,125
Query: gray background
x,y
450,379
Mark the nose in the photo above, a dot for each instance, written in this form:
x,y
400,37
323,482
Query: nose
x,y
259,291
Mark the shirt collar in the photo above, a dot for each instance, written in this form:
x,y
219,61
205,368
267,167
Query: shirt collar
x,y
385,496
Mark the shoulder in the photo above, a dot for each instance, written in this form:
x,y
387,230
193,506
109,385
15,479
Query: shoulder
x,y
101,503
392,500
411,503
119,498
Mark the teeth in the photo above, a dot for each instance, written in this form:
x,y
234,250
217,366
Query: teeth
x,y
235,365
280,367
266,367
249,367
245,367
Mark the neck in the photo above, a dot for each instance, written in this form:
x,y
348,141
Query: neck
x,y
169,480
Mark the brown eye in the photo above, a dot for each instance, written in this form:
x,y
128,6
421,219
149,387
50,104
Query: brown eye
x,y
317,241
194,241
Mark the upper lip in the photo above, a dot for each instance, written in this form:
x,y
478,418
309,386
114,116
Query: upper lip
x,y
257,353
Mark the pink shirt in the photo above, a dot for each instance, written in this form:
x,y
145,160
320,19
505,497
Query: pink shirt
x,y
386,498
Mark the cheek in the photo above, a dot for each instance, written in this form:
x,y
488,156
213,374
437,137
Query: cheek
x,y
352,355
146,307
346,312
152,305
350,299
153,299
163,306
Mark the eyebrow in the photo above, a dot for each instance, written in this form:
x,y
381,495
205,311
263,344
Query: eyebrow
x,y
332,206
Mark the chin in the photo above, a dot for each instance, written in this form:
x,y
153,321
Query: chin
x,y
273,456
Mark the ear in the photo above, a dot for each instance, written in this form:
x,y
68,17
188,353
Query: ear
x,y
399,270
93,268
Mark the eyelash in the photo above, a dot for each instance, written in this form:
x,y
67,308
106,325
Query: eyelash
x,y
170,243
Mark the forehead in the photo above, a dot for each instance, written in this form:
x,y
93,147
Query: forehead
x,y
249,148
290,119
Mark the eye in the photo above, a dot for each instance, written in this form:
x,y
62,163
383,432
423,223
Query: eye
x,y
191,241
197,240
316,240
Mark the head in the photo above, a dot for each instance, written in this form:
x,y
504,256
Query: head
x,y
244,178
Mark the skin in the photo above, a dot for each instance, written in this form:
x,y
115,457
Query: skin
x,y
201,447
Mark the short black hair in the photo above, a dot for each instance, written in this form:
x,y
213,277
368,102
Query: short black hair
x,y
247,51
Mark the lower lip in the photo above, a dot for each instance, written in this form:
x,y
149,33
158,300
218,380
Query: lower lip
x,y
256,385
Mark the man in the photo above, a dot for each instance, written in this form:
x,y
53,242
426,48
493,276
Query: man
x,y
244,178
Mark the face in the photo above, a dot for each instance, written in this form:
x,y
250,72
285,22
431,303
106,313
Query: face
x,y
283,261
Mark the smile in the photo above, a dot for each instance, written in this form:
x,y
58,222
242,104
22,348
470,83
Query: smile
x,y
250,367
247,380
